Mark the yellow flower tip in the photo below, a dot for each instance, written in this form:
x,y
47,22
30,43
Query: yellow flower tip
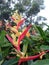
x,y
20,54
42,54
41,57
16,11
13,17
16,17
15,42
14,30
18,34
21,42
13,36
15,27
28,34
26,55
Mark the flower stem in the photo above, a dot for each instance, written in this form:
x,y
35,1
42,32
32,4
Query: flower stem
x,y
11,40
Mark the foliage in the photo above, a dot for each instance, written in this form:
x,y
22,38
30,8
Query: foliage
x,y
34,9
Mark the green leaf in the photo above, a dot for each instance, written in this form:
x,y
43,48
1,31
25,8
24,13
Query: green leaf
x,y
30,62
3,41
1,62
5,51
11,61
1,56
29,41
47,40
42,33
41,62
2,37
25,46
44,47
35,38
47,55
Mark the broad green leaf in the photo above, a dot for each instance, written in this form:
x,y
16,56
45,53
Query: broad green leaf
x,y
3,41
42,33
1,62
5,51
35,38
1,56
29,41
2,37
7,44
30,62
47,55
44,47
41,62
11,61
47,40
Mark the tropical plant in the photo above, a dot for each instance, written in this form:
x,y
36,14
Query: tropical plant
x,y
25,46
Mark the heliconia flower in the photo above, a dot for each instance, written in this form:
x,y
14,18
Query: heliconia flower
x,y
9,38
20,23
15,31
16,17
27,34
15,44
24,59
14,39
19,53
13,18
23,34
8,25
13,36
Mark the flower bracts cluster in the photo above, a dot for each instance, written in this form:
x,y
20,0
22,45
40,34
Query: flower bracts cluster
x,y
20,35
15,33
